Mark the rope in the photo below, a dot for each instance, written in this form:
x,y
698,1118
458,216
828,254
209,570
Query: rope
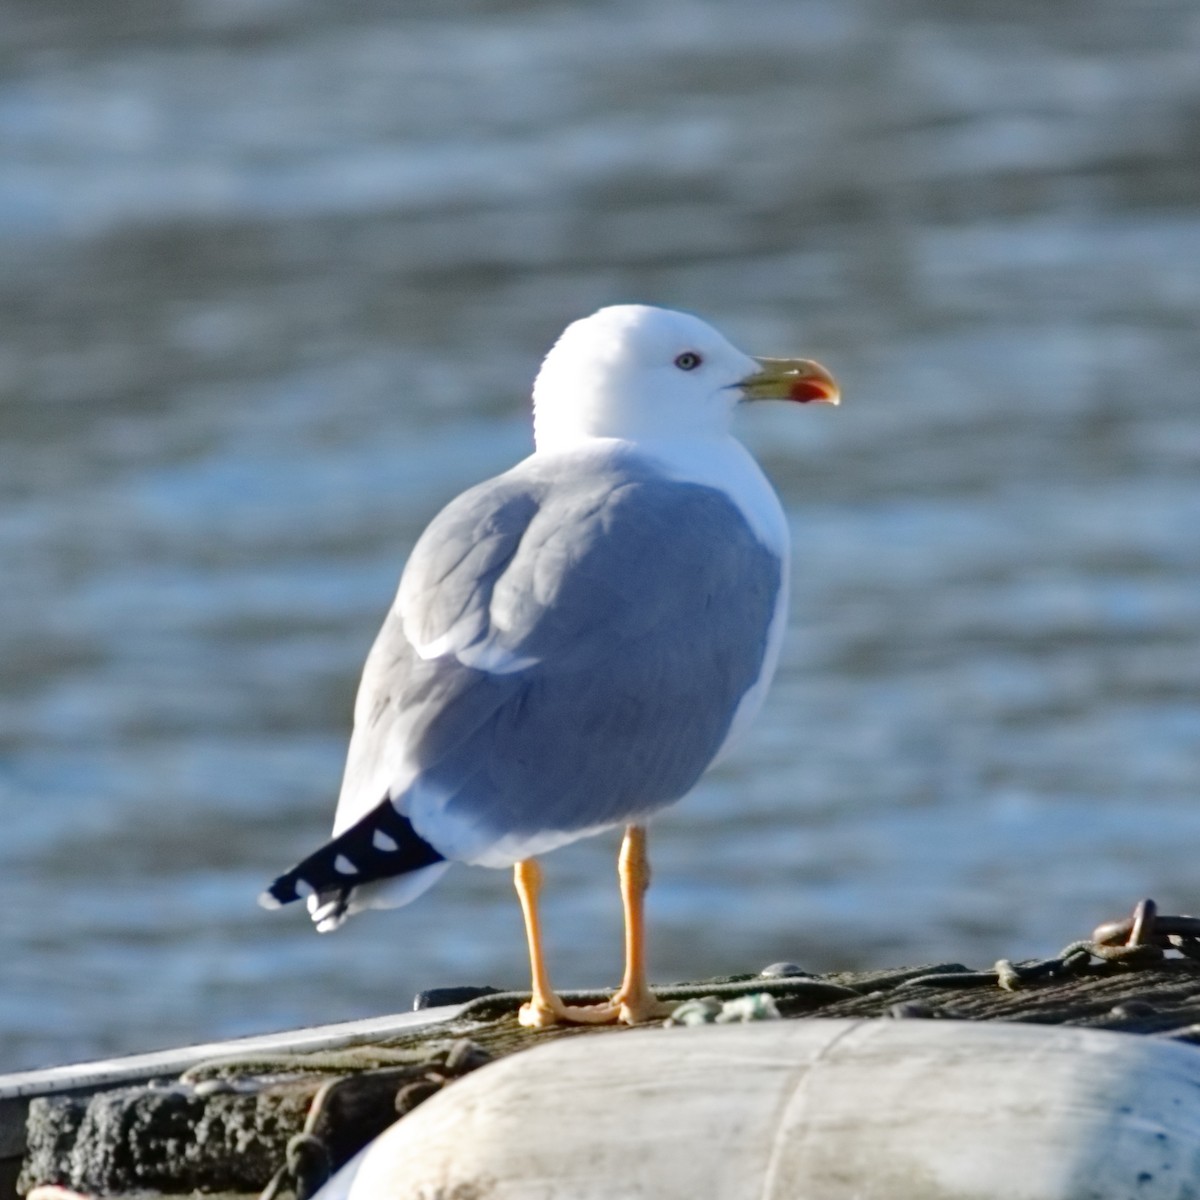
x,y
308,1163
818,991
1140,940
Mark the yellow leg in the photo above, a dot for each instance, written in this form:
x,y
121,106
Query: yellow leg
x,y
637,1002
544,1007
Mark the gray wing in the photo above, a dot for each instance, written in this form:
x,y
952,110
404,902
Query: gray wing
x,y
567,651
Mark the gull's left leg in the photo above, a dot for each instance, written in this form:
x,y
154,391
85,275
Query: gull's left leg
x,y
637,1002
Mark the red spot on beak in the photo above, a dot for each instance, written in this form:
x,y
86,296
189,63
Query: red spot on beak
x,y
806,391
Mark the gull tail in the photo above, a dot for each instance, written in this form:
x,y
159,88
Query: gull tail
x,y
379,862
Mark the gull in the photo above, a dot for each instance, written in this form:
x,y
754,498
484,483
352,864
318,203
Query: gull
x,y
574,642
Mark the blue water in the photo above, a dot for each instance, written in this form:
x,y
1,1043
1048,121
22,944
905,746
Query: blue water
x,y
274,281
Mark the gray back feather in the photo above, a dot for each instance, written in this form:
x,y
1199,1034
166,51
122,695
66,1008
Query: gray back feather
x,y
599,627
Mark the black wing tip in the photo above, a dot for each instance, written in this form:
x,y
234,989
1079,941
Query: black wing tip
x,y
287,889
382,845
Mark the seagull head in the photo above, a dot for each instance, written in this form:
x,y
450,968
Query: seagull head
x,y
636,372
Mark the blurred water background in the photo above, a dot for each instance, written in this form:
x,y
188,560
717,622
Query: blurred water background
x,y
275,276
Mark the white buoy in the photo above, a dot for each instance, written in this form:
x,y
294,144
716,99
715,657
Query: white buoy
x,y
806,1110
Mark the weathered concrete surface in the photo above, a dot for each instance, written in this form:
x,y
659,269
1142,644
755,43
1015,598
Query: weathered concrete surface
x,y
165,1139
85,1079
89,1077
214,1135
235,1141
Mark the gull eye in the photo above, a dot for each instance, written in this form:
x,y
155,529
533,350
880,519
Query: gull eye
x,y
688,361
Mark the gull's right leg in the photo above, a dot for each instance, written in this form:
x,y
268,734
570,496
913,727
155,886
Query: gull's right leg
x,y
545,1008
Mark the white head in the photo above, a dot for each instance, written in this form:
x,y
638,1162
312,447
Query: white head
x,y
636,372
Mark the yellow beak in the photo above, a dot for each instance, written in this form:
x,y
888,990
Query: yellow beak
x,y
798,379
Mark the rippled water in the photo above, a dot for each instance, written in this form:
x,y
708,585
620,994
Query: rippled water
x,y
274,280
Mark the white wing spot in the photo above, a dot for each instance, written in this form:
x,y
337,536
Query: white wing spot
x,y
304,889
495,660
343,866
381,841
435,649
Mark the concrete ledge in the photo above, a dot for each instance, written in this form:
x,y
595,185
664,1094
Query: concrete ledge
x,y
84,1079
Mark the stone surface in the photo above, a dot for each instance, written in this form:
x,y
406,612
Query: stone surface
x,y
187,1138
